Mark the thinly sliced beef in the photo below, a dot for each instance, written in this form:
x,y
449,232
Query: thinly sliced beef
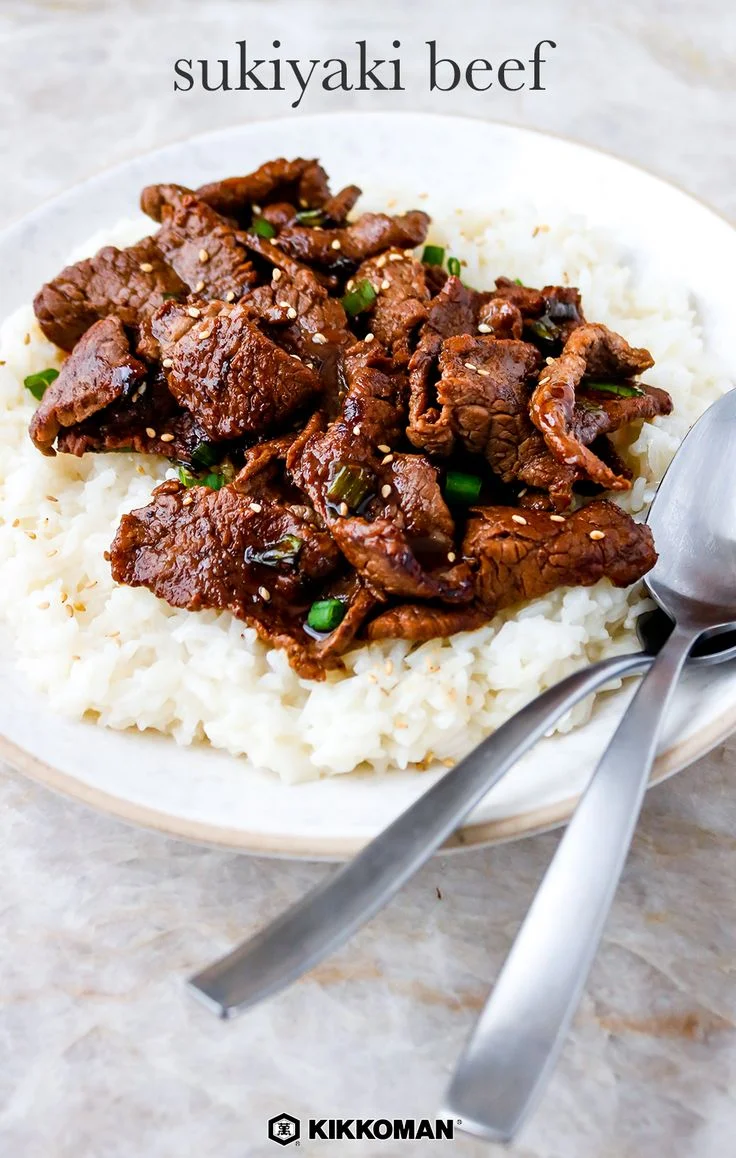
x,y
347,246
100,371
300,308
519,557
401,301
420,622
301,182
549,315
261,560
337,209
592,352
232,377
129,283
206,252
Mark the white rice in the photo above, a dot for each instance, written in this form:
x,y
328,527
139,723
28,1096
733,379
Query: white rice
x,y
126,659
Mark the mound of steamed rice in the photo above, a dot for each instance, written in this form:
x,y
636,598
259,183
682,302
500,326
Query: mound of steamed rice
x,y
127,660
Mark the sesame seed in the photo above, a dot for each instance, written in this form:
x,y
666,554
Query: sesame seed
x,y
396,257
291,313
230,296
336,244
319,339
523,491
255,208
385,461
257,507
469,366
381,261
369,336
451,556
356,429
167,363
596,535
385,490
557,518
26,339
44,605
193,312
349,285
485,373
145,267
264,593
344,509
549,361
383,448
484,329
150,432
283,305
51,499
388,667
276,275
543,380
187,500
519,519
16,523
50,554
204,256
31,534
295,357
69,611
167,438
385,284
204,335
80,607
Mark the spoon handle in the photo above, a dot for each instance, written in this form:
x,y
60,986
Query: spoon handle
x,y
324,919
524,1024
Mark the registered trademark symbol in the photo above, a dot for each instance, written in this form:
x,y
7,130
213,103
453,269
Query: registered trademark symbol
x,y
458,1121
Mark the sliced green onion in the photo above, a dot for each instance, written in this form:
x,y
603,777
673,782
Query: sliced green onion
x,y
285,551
186,478
262,227
359,299
461,487
310,216
326,614
518,281
213,481
204,454
434,255
453,266
351,484
39,383
623,389
544,329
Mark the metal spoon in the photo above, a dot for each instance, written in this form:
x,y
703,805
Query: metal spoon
x,y
524,1025
324,919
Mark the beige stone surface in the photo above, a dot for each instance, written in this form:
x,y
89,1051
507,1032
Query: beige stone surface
x,y
102,1055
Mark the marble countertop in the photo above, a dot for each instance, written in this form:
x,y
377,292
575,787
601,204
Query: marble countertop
x,y
101,1053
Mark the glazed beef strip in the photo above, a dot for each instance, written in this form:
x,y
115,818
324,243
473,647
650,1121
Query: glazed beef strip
x,y
522,556
223,369
400,307
205,251
129,283
347,246
297,310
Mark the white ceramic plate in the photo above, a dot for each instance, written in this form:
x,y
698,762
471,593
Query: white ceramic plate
x,y
204,795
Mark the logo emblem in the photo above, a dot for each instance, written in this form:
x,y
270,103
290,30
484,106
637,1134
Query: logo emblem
x,y
283,1129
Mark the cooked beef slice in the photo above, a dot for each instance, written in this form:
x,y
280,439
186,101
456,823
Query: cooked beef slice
x,y
149,421
301,182
401,299
158,200
549,315
299,308
420,622
337,209
199,548
206,252
129,283
231,377
348,246
377,529
100,370
522,556
455,310
501,318
595,352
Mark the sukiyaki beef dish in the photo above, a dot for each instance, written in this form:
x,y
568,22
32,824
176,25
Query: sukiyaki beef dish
x,y
363,445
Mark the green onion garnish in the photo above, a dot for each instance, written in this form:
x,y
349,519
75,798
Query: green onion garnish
x,y
39,383
326,614
434,255
262,227
359,299
461,487
310,216
518,281
544,329
453,266
213,481
285,551
351,484
186,478
204,454
623,389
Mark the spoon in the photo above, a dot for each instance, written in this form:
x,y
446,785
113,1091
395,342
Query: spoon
x,y
329,914
523,1027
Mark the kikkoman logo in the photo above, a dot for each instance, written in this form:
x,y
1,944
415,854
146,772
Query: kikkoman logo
x,y
285,1129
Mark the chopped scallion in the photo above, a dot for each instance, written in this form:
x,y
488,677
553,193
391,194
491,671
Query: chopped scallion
x,y
434,255
213,481
518,281
39,383
453,266
186,478
204,454
461,487
310,216
285,551
623,389
326,614
544,329
350,484
262,227
359,299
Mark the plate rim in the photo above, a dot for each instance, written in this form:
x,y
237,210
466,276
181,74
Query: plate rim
x,y
490,832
